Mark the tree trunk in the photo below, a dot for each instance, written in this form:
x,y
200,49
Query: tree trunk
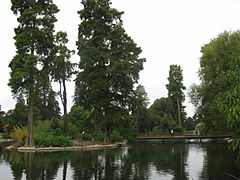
x,y
65,118
179,113
107,136
45,113
94,122
29,139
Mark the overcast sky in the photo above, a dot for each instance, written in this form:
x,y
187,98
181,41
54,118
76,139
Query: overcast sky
x,y
168,31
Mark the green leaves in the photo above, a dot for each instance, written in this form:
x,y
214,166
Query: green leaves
x,y
109,63
175,86
80,118
219,90
62,69
34,43
175,92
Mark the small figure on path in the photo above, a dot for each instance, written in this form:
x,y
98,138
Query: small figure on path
x,y
172,132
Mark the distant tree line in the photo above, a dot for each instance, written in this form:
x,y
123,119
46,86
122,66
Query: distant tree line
x,y
166,113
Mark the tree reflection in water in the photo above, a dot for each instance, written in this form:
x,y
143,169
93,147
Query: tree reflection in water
x,y
140,161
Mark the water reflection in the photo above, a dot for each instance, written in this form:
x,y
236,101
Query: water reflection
x,y
143,161
195,160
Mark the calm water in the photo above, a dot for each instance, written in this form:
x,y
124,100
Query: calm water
x,y
143,161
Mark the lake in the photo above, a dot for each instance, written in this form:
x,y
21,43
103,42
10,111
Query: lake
x,y
140,161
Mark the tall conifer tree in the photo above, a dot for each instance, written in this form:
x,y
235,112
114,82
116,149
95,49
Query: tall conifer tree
x,y
110,64
175,92
34,43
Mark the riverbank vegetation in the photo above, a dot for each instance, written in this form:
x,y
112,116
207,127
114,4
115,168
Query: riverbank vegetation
x,y
217,97
109,104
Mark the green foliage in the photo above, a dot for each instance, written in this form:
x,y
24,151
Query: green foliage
x,y
16,117
80,118
109,65
175,93
140,112
115,137
19,134
189,124
235,146
196,94
165,125
201,127
34,43
162,111
218,74
62,70
47,140
141,98
87,136
130,134
55,127
46,106
144,120
99,136
229,99
43,127
73,130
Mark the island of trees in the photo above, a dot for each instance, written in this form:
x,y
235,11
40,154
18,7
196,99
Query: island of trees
x,y
109,104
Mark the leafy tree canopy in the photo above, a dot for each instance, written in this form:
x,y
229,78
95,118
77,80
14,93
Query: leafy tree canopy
x,y
110,63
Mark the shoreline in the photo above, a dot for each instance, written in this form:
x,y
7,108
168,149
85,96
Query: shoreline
x,y
71,148
6,140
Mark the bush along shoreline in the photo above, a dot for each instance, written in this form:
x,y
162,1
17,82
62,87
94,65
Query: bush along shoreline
x,y
49,136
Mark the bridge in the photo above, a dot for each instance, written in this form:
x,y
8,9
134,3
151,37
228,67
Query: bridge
x,y
185,137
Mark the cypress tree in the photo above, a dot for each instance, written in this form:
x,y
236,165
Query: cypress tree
x,y
109,65
175,92
34,42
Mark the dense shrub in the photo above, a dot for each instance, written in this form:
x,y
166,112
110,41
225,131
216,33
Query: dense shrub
x,y
87,136
48,140
43,127
99,136
157,130
19,134
79,117
73,131
130,135
201,127
115,137
55,127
